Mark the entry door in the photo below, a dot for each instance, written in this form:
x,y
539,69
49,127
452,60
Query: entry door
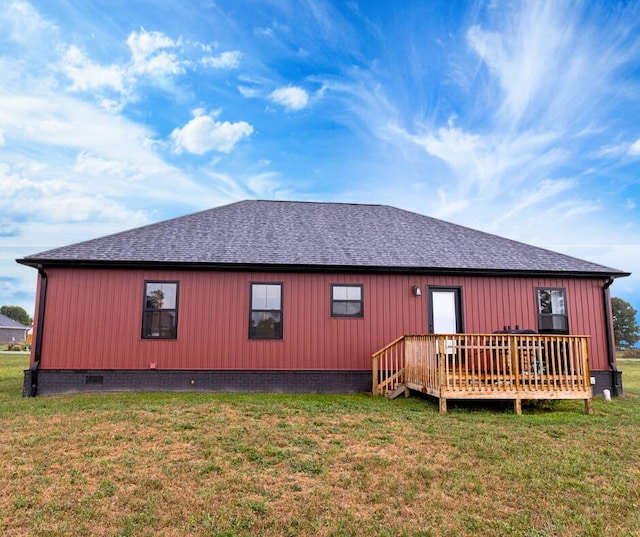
x,y
444,311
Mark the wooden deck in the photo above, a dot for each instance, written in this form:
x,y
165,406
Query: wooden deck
x,y
486,366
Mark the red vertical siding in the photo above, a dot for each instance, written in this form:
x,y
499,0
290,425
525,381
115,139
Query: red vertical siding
x,y
93,318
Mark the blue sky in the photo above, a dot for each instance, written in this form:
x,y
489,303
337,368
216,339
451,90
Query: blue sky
x,y
516,118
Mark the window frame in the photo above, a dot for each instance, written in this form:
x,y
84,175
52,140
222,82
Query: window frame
x,y
332,301
145,334
279,336
550,316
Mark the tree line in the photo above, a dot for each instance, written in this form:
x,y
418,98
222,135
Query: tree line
x,y
17,313
625,324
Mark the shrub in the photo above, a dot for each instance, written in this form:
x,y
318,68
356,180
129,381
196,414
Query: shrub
x,y
631,353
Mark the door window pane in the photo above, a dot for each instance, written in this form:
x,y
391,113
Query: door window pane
x,y
444,312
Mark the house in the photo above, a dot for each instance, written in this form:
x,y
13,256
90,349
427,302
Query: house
x,y
274,296
12,331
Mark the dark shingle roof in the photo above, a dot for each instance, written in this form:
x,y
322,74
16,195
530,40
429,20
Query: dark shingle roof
x,y
8,322
321,235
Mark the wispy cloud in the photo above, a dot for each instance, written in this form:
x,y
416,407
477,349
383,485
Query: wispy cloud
x,y
532,55
23,23
225,60
546,72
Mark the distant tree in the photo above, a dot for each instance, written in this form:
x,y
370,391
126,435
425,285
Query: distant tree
x,y
17,314
625,325
156,299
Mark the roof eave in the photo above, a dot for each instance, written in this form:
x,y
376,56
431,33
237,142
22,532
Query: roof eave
x,y
267,267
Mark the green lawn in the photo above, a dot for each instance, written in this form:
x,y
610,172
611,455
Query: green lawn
x,y
200,464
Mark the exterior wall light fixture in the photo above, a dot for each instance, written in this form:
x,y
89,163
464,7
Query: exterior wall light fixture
x,y
416,290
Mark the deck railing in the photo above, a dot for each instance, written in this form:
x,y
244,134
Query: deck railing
x,y
486,366
389,367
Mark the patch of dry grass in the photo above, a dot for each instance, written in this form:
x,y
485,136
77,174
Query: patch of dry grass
x,y
196,464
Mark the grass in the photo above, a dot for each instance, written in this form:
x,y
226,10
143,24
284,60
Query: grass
x,y
224,465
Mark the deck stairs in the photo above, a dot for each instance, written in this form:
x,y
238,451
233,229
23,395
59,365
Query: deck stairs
x,y
397,392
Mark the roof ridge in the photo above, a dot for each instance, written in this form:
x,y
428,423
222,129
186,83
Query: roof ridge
x,y
317,202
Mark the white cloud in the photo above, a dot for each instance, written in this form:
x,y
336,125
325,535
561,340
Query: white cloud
x,y
61,121
226,60
155,57
249,93
160,64
87,75
292,98
546,190
90,165
523,56
613,151
59,200
535,89
548,65
203,134
486,164
79,152
23,22
145,44
265,185
266,32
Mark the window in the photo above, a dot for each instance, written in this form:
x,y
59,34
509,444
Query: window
x,y
552,311
160,312
265,321
347,301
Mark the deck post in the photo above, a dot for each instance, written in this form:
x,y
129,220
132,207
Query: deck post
x,y
443,405
517,406
588,406
515,365
375,376
585,363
